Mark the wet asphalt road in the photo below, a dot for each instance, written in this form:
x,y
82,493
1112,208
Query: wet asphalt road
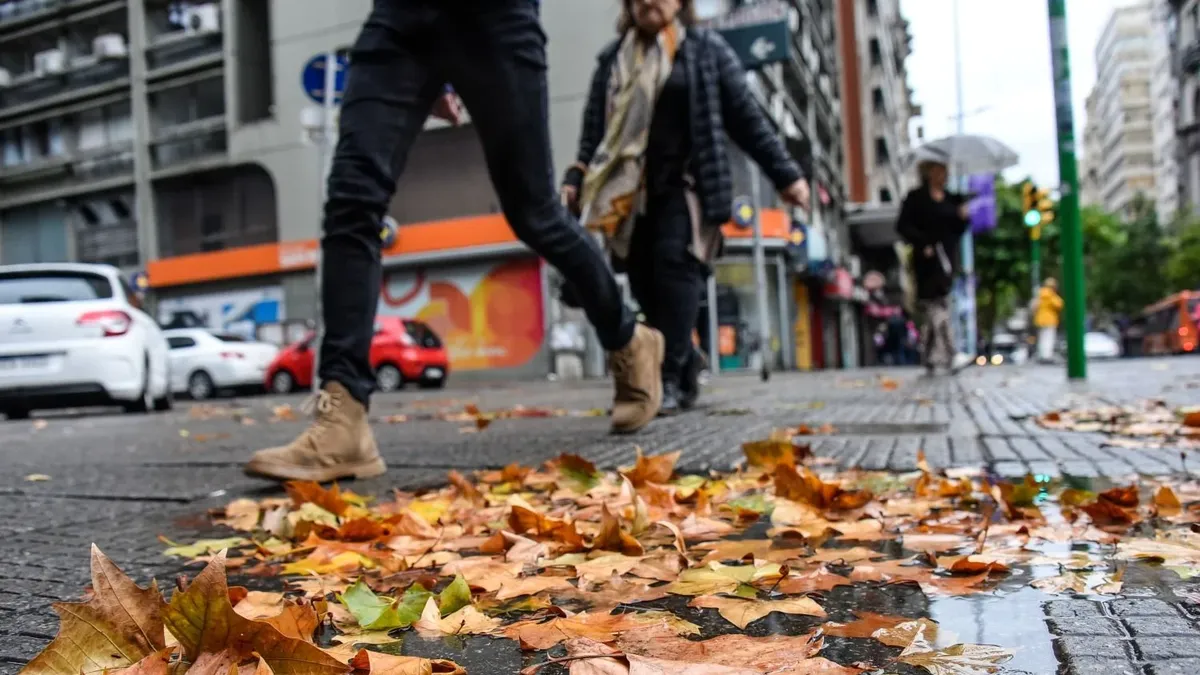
x,y
123,480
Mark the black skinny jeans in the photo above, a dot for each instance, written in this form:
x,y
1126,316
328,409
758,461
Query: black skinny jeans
x,y
665,278
493,52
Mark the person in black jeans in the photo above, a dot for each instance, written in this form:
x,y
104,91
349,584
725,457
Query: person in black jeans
x,y
493,53
653,175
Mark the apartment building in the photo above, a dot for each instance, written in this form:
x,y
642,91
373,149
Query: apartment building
x,y
1125,110
170,138
879,102
1183,26
1091,187
1164,96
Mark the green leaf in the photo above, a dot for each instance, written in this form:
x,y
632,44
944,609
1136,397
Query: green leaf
x,y
312,513
455,596
757,503
203,547
384,613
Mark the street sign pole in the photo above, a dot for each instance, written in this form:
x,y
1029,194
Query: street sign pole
x,y
760,276
324,160
1068,172
1035,259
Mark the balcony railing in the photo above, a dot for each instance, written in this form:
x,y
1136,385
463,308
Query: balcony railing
x,y
83,78
182,51
191,141
112,244
17,15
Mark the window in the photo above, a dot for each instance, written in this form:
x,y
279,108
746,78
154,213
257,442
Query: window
x,y
422,334
180,342
225,337
872,7
882,156
877,100
885,195
19,288
876,52
217,210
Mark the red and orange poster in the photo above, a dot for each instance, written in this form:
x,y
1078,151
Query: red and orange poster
x,y
489,314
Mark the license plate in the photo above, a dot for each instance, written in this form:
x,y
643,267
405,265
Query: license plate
x,y
434,373
36,362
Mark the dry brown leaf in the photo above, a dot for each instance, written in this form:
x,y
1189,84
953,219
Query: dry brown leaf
x,y
613,538
806,487
223,662
466,621
865,626
203,620
537,636
1166,503
904,633
118,626
376,663
656,469
770,453
588,657
765,655
240,514
742,613
465,488
531,586
312,492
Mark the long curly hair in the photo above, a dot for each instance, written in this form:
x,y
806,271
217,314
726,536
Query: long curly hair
x,y
687,15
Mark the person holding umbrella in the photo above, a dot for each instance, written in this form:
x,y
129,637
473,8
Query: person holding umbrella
x,y
654,176
932,220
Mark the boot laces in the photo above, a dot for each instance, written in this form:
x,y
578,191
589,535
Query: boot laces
x,y
321,406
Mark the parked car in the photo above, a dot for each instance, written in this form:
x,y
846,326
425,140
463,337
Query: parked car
x,y
75,335
203,364
1098,345
403,351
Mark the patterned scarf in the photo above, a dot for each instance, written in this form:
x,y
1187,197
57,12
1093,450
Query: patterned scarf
x,y
614,178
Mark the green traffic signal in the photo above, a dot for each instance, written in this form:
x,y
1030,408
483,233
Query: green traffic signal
x,y
1033,218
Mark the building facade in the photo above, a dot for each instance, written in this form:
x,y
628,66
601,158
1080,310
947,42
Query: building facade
x,y
1164,96
1091,187
1125,110
171,138
1183,25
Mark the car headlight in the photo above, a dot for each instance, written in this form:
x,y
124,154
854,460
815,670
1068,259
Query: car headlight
x,y
997,359
981,361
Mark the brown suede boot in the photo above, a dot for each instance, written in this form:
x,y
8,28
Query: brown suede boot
x,y
339,444
637,374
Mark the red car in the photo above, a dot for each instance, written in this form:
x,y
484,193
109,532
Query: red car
x,y
402,351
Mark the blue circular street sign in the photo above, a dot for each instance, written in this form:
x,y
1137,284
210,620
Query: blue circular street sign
x,y
140,281
743,213
312,78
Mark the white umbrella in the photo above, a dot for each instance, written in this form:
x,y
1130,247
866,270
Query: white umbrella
x,y
967,154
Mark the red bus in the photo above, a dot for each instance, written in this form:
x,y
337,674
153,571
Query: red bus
x,y
1171,325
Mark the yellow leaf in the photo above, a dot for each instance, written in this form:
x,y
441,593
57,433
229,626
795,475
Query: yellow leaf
x,y
119,626
431,511
742,613
37,478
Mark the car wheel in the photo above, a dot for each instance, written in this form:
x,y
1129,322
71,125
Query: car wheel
x,y
200,386
16,414
282,382
388,378
145,401
439,383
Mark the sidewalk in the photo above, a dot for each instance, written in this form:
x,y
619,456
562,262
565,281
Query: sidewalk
x,y
123,481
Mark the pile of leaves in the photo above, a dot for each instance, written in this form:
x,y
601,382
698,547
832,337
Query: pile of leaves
x,y
1148,424
582,568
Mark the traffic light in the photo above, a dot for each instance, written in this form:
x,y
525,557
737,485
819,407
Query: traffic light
x,y
1036,206
1031,215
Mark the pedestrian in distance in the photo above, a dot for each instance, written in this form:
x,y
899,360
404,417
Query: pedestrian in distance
x,y
1046,317
653,175
493,54
932,220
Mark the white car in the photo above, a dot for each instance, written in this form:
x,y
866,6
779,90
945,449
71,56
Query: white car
x,y
75,335
1100,346
204,363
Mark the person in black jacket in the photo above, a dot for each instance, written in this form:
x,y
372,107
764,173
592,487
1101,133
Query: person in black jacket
x,y
933,220
493,54
653,174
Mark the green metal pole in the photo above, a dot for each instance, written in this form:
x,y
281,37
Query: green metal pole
x,y
1035,260
1068,206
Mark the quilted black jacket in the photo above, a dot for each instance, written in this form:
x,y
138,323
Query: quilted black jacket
x,y
720,103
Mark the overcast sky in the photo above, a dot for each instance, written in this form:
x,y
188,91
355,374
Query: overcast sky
x,y
1006,71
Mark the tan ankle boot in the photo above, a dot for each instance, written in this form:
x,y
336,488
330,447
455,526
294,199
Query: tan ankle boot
x,y
339,444
637,374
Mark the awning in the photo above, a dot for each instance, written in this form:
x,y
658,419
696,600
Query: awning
x,y
874,225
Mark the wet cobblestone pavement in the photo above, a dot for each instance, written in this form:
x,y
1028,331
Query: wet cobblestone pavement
x,y
122,481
